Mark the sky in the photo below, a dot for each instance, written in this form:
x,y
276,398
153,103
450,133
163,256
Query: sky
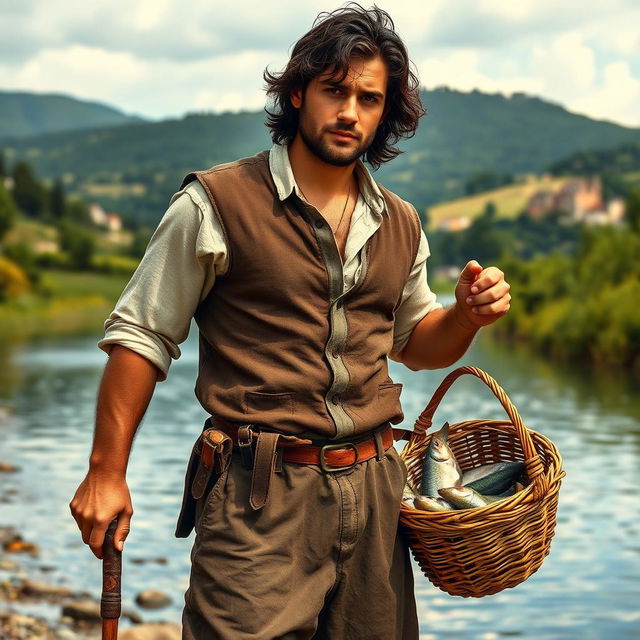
x,y
162,59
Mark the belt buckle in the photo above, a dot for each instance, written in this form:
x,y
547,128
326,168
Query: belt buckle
x,y
330,447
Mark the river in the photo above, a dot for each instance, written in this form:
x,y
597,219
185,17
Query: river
x,y
587,587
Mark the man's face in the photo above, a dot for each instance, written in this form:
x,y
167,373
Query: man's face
x,y
338,122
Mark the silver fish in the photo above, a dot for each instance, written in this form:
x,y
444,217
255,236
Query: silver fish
x,y
427,503
408,495
410,502
440,468
466,498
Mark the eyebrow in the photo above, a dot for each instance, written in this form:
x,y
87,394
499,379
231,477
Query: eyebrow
x,y
369,92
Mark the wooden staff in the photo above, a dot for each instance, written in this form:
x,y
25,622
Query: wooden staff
x,y
111,574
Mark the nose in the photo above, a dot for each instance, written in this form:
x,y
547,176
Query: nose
x,y
348,110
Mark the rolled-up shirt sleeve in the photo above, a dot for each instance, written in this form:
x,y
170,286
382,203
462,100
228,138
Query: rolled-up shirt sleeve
x,y
184,255
417,300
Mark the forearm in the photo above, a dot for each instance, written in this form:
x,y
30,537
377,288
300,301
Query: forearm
x,y
438,340
125,391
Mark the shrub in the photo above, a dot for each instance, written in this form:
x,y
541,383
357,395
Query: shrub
x,y
13,280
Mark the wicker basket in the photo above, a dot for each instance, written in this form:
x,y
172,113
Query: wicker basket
x,y
481,551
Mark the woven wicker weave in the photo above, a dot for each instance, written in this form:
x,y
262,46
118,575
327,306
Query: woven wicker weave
x,y
481,551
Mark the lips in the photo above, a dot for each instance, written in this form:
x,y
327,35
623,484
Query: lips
x,y
343,134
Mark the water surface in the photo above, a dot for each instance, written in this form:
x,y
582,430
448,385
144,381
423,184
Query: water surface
x,y
587,587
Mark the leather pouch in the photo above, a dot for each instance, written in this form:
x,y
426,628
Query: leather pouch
x,y
210,456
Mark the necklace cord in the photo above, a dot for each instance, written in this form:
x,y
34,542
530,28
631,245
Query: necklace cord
x,y
335,231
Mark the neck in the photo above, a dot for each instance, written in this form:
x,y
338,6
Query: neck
x,y
316,176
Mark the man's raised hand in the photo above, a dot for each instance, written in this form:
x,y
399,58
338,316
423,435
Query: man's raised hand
x,y
482,295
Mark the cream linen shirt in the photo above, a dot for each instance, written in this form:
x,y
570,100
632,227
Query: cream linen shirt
x,y
187,251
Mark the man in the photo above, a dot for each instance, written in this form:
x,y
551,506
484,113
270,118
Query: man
x,y
303,275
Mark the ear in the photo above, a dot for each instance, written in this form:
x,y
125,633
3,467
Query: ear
x,y
296,97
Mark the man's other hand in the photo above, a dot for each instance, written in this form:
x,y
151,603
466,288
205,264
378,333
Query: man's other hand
x,y
482,295
98,500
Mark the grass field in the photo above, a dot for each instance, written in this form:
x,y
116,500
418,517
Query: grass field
x,y
78,303
509,201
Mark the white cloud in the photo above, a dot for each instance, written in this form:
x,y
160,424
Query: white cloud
x,y
160,59
566,64
68,69
462,70
616,98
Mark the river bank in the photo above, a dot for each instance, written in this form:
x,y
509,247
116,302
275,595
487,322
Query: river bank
x,y
35,605
70,303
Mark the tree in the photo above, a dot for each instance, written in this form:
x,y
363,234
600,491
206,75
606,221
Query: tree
x,y
77,242
140,241
57,200
13,281
633,209
28,193
7,211
482,241
77,211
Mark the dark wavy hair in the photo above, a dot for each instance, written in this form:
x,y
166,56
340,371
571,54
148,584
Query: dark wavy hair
x,y
335,38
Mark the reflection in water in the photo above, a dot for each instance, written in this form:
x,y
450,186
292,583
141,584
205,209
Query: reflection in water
x,y
586,588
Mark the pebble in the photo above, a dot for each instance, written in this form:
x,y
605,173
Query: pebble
x,y
39,589
86,610
158,560
17,626
155,631
18,545
152,599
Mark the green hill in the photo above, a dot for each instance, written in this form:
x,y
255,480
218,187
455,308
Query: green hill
x,y
135,168
28,114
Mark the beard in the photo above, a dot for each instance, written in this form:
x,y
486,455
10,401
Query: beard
x,y
323,150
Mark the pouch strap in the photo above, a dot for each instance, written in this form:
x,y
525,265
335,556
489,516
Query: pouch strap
x,y
263,466
215,448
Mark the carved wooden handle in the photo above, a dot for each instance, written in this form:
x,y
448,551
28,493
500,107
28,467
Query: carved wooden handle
x,y
111,574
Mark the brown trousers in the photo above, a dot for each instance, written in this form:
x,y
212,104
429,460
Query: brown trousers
x,y
321,560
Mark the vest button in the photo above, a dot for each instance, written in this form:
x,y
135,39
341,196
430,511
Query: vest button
x,y
336,398
319,224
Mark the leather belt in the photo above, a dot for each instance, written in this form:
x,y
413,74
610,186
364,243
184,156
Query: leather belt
x,y
258,451
329,457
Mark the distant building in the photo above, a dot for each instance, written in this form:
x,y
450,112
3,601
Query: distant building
x,y
540,203
98,215
112,221
45,246
581,199
456,223
446,272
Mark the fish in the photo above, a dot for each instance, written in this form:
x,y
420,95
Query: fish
x,y
408,495
466,498
440,467
501,478
427,503
483,470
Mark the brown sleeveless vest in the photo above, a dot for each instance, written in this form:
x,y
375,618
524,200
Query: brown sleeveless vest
x,y
264,327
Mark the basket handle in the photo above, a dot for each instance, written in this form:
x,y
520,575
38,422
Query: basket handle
x,y
532,461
